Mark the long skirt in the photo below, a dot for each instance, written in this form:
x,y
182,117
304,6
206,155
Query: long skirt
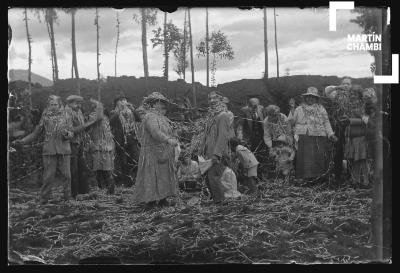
x,y
312,156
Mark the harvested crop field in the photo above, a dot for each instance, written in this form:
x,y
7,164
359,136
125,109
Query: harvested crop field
x,y
285,223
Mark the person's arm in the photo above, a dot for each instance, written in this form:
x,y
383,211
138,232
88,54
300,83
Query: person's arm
x,y
292,154
267,135
32,136
223,127
153,127
239,129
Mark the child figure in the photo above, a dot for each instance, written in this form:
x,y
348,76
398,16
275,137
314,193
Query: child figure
x,y
248,162
188,171
283,155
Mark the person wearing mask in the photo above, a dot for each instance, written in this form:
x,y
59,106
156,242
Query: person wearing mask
x,y
102,147
56,126
123,122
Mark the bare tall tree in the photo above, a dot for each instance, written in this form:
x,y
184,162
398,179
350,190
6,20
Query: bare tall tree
x,y
184,43
207,51
165,47
265,44
191,60
147,17
116,45
50,16
96,22
28,37
276,48
74,59
144,43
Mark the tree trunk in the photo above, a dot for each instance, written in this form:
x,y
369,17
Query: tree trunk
x,y
28,37
207,51
184,47
51,52
191,61
276,48
98,54
53,45
144,48
74,59
116,47
165,47
265,44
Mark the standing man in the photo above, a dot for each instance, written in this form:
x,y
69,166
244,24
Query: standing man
x,y
56,125
79,170
250,128
123,124
219,129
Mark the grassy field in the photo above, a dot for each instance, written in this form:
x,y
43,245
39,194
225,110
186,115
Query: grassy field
x,y
285,224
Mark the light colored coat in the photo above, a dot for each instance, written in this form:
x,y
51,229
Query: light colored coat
x,y
311,120
156,177
246,157
218,134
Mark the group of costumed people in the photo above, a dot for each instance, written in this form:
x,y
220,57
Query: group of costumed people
x,y
141,145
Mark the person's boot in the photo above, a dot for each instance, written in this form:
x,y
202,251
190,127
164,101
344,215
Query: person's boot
x,y
150,205
111,189
251,184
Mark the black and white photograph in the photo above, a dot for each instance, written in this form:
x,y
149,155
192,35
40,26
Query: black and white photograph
x,y
200,135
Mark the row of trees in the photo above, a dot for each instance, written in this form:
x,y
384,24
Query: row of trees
x,y
170,37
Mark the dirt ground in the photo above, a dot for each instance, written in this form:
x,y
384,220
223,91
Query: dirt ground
x,y
285,224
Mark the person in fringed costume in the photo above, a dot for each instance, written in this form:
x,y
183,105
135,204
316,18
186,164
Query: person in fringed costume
x,y
56,125
79,169
351,120
215,138
283,154
156,177
312,130
102,147
123,126
275,125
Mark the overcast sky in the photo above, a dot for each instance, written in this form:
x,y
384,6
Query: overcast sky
x,y
306,46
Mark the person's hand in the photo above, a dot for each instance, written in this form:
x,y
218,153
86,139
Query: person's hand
x,y
173,142
365,119
292,104
215,159
17,142
333,138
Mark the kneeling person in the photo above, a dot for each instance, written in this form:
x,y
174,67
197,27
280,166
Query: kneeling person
x,y
188,172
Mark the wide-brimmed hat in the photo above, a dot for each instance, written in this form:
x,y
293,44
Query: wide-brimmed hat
x,y
155,96
311,91
76,98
